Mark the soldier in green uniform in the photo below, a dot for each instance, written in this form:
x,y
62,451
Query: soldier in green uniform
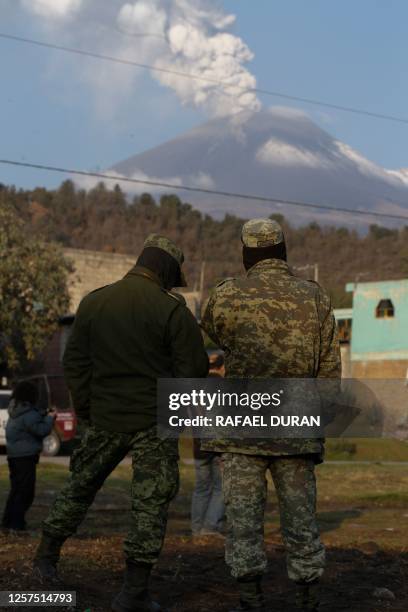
x,y
125,337
272,324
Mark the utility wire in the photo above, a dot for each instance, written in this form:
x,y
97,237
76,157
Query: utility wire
x,y
226,194
257,90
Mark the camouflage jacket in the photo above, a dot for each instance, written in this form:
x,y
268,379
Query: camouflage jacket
x,y
272,324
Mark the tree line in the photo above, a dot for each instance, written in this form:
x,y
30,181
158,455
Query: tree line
x,y
104,219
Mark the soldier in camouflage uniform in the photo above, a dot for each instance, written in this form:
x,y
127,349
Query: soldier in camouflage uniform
x,y
272,324
125,337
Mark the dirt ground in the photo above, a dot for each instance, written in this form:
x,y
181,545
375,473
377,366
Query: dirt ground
x,y
363,515
191,576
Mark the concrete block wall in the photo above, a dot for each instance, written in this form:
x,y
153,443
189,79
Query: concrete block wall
x,y
94,269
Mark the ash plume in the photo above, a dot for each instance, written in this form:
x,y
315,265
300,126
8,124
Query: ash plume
x,y
187,36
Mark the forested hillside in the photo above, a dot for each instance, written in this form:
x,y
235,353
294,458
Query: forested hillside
x,y
103,219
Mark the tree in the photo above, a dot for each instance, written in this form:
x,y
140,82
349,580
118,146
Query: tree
x,y
378,232
33,291
104,219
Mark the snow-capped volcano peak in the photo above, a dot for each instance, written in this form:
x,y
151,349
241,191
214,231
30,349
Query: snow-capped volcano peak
x,y
279,153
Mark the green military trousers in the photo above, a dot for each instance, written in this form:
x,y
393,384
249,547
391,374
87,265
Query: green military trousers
x,y
154,484
245,489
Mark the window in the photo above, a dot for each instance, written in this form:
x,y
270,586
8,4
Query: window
x,y
384,310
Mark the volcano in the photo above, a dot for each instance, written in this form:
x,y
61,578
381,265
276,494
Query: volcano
x,y
279,153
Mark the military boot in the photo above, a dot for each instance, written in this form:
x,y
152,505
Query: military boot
x,y
250,594
134,595
307,596
46,559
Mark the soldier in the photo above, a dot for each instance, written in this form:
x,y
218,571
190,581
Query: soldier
x,y
272,324
125,337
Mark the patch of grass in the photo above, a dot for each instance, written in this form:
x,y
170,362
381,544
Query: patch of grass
x,y
390,498
341,449
366,449
362,484
356,502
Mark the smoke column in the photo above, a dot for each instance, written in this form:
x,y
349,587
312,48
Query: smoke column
x,y
190,36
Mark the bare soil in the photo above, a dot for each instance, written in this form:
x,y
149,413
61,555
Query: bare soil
x,y
192,577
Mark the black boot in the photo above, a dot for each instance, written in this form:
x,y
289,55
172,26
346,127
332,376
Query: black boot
x,y
134,595
250,594
307,596
46,559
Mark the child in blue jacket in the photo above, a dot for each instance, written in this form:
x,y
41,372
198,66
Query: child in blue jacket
x,y
25,430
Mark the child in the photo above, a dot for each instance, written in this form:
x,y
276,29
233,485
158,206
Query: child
x,y
25,430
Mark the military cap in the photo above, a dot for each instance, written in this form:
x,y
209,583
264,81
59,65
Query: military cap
x,y
160,242
163,243
258,233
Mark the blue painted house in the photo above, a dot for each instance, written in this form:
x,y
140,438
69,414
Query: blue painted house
x,y
374,332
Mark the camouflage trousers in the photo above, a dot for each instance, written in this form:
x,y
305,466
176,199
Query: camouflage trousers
x,y
245,490
154,484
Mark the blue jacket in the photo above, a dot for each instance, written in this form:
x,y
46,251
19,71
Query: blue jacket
x,y
25,429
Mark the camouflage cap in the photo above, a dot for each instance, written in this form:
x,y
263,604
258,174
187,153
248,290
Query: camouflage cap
x,y
160,242
258,233
163,243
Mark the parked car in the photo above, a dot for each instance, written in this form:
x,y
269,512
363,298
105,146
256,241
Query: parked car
x,y
53,395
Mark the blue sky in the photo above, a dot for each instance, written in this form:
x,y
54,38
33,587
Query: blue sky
x,y
60,110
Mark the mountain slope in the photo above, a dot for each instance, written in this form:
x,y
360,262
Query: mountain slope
x,y
278,153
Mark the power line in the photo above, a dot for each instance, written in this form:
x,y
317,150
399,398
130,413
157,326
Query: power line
x,y
257,90
227,194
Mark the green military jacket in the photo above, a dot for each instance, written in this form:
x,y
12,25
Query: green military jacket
x,y
126,336
272,324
